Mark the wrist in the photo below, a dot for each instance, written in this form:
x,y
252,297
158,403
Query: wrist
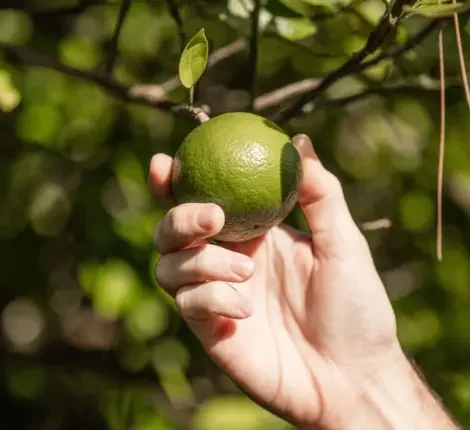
x,y
397,398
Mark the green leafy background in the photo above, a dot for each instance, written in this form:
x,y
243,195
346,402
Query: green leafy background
x,y
88,338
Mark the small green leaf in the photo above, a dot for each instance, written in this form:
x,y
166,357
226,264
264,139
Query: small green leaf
x,y
437,10
193,59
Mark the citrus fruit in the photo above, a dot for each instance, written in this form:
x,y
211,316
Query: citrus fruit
x,y
244,163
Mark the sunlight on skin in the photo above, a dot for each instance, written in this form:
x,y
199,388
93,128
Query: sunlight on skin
x,y
307,325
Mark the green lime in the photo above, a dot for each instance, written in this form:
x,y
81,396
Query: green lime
x,y
245,164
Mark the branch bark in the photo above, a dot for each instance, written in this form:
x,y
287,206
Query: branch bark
x,y
152,95
155,95
285,93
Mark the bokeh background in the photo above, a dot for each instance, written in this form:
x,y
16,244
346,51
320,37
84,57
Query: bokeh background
x,y
88,340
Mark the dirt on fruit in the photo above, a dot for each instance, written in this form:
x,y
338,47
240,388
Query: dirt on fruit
x,y
244,163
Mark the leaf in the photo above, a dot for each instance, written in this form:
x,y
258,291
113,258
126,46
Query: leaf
x,y
193,59
295,28
437,10
239,14
240,8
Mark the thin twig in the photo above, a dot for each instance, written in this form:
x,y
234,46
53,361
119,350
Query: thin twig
x,y
284,93
440,174
198,114
175,13
420,85
152,95
354,66
216,57
135,94
227,51
253,55
398,51
399,88
378,224
463,69
114,42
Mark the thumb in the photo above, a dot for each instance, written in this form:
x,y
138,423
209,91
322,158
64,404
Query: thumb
x,y
321,198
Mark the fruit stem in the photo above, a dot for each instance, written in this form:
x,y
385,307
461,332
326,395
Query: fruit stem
x,y
198,114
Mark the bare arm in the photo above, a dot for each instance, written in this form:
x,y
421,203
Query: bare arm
x,y
399,399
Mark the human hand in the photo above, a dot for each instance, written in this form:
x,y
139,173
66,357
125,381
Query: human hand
x,y
300,322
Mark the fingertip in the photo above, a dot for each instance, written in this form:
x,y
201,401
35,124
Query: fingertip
x,y
304,145
159,176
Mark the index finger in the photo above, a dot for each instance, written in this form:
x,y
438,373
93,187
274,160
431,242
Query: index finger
x,y
159,178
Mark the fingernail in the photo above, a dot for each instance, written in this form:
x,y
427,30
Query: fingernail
x,y
209,218
305,146
242,266
206,219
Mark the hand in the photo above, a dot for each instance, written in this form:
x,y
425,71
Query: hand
x,y
300,322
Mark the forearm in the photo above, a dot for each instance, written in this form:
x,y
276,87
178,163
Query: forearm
x,y
399,399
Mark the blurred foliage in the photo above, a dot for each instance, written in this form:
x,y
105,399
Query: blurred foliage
x,y
88,338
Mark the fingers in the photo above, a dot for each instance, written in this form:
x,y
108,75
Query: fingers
x,y
201,264
159,177
200,302
324,206
186,224
196,277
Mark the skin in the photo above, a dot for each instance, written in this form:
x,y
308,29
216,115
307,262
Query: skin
x,y
302,323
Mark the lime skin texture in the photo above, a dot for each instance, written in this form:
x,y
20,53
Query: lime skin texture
x,y
244,163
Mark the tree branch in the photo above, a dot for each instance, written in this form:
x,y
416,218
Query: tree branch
x,y
151,95
285,93
354,64
253,56
145,94
409,44
227,51
175,13
155,95
420,86
114,42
